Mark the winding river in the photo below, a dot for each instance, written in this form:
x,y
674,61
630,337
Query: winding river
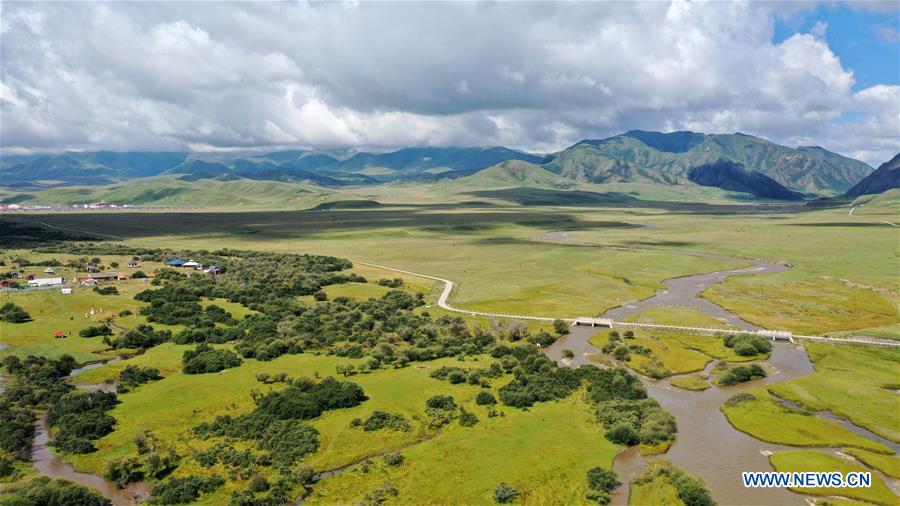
x,y
707,445
49,463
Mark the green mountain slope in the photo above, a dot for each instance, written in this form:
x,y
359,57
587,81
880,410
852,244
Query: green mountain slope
x,y
168,191
668,158
511,174
886,177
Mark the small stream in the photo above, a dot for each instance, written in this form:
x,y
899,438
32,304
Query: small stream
x,y
707,445
50,464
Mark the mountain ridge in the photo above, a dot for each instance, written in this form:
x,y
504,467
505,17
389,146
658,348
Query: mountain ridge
x,y
634,156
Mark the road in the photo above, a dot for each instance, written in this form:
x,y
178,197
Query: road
x,y
448,288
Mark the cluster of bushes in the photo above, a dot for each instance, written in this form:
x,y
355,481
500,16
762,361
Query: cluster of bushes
x,y
178,302
44,491
80,417
133,376
742,373
392,283
106,290
616,347
747,345
206,359
601,483
184,490
95,330
504,493
277,422
382,420
13,313
536,377
692,491
736,399
38,383
141,337
457,375
632,421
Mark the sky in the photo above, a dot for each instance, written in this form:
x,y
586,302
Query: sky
x,y
538,76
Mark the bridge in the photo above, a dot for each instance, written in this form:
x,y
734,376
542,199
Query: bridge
x,y
775,335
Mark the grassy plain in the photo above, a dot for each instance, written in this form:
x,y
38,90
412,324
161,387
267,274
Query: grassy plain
x,y
888,464
855,382
694,382
766,419
544,453
810,461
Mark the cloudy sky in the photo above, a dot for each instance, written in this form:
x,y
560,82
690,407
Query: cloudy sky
x,y
537,76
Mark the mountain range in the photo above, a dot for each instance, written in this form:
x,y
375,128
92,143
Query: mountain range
x,y
735,162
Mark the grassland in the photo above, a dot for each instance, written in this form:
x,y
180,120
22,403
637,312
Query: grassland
x,y
868,373
888,464
809,461
766,419
694,382
544,453
671,353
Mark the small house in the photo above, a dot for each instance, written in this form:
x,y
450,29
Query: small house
x,y
133,264
4,283
29,277
102,276
175,263
191,265
16,274
39,282
66,290
48,270
215,270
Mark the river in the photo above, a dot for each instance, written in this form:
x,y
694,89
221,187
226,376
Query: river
x,y
50,464
707,445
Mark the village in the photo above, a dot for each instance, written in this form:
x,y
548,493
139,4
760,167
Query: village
x,y
19,278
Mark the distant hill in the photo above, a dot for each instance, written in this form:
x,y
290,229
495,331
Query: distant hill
x,y
732,176
172,191
886,177
513,173
338,168
668,158
635,157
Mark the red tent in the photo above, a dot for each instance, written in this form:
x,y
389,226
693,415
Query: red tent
x,y
59,333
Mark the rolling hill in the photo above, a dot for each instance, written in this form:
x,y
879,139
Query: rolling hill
x,y
639,156
171,191
674,159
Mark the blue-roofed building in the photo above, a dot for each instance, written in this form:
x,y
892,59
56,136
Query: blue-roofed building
x,y
175,263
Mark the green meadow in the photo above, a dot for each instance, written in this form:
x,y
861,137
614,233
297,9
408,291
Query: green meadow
x,y
549,252
810,461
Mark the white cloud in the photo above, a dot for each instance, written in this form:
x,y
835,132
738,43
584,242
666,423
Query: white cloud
x,y
534,75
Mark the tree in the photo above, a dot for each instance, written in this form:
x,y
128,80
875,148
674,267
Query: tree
x,y
485,398
602,479
568,353
13,313
393,459
629,334
138,275
504,493
623,433
320,296
561,327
